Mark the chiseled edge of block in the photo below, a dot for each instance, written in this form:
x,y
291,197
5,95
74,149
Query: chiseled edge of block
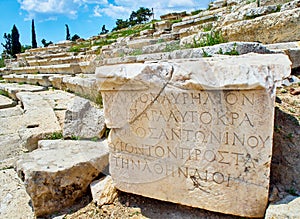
x,y
246,72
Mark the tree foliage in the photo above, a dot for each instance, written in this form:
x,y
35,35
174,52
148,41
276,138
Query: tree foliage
x,y
75,37
104,30
45,44
12,44
140,16
7,45
33,35
15,43
25,47
68,37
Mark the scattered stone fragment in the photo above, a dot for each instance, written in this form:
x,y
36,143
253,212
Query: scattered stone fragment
x,y
103,191
294,91
59,172
83,120
289,207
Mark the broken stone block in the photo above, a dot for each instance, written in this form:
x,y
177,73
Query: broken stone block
x,y
59,172
103,191
38,120
289,207
195,132
6,102
83,120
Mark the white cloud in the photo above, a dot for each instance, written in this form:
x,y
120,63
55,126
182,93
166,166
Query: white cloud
x,y
54,7
160,7
112,11
97,11
115,10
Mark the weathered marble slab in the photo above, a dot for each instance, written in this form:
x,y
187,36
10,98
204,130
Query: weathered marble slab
x,y
195,132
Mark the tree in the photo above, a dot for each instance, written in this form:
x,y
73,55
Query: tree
x,y
25,47
140,16
75,37
67,32
45,44
33,36
15,43
104,30
121,24
8,43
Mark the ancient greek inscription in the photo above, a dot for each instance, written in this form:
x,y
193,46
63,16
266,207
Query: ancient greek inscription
x,y
204,136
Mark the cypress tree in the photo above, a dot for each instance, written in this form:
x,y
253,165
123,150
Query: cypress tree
x,y
33,36
15,43
68,37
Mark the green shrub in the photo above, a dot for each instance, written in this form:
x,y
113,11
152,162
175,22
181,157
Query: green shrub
x,y
210,39
4,93
54,136
205,54
2,64
136,52
196,12
172,47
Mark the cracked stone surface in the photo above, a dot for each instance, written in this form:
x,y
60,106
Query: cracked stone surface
x,y
194,132
59,172
14,201
6,102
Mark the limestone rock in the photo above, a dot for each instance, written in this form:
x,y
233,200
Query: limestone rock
x,y
83,120
6,102
272,28
14,201
59,172
260,11
13,89
290,5
195,132
83,84
103,191
38,121
289,207
10,112
272,2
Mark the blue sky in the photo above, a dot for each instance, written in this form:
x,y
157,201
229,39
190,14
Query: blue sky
x,y
84,17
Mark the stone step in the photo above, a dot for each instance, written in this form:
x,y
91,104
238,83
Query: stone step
x,y
59,60
196,29
83,85
59,101
6,102
48,56
60,171
35,79
188,23
239,47
292,49
38,121
161,47
260,30
139,43
71,68
13,88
